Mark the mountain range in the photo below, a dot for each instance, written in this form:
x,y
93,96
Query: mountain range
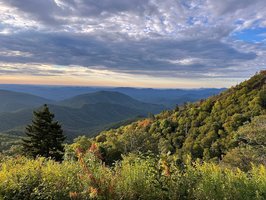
x,y
83,114
167,97
88,113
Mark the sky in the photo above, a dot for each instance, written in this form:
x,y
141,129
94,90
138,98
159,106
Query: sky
x,y
137,43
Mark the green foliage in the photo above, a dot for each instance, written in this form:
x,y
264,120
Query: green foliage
x,y
248,145
218,183
22,178
82,143
134,177
44,137
137,178
262,98
203,130
7,141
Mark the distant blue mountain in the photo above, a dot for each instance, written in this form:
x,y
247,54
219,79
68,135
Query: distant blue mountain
x,y
167,97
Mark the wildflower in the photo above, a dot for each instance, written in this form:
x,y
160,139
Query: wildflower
x,y
93,192
73,195
166,169
95,151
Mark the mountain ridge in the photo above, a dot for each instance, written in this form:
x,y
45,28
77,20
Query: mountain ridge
x,y
13,101
171,97
112,97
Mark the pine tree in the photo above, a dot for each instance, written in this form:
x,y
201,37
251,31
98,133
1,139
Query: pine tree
x,y
44,136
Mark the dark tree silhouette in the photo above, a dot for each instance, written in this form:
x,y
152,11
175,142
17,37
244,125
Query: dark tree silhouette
x,y
44,136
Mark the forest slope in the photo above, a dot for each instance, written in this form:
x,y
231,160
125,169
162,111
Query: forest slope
x,y
205,130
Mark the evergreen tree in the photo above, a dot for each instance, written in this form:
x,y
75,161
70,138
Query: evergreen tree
x,y
44,136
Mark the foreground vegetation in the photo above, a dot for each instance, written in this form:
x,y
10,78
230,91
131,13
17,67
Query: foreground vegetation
x,y
135,177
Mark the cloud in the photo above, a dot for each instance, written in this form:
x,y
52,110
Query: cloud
x,y
232,6
151,57
184,38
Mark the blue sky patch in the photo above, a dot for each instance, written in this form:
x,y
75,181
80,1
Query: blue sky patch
x,y
251,35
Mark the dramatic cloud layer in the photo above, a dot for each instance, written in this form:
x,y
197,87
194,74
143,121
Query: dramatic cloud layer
x,y
204,40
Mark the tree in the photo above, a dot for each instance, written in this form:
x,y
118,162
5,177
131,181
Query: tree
x,y
44,136
262,98
249,145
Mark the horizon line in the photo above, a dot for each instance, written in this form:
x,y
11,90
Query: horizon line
x,y
95,86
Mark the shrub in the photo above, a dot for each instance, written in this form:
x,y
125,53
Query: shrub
x,y
22,178
134,177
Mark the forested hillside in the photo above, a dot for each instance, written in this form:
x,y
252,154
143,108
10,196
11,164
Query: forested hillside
x,y
208,129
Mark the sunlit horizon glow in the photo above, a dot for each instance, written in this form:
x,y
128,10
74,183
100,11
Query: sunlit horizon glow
x,y
149,83
132,43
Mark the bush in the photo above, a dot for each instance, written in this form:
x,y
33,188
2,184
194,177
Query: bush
x,y
135,177
22,178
